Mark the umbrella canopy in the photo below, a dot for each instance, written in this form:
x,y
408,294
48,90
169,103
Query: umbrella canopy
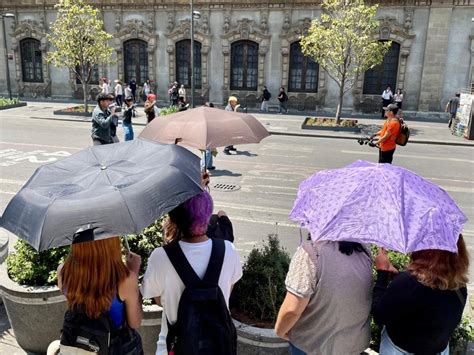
x,y
381,204
114,189
206,128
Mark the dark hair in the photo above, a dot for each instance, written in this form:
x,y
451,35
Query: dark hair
x,y
209,104
102,97
349,247
394,110
458,94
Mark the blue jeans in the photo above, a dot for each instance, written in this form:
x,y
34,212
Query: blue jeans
x,y
295,351
206,160
128,131
387,347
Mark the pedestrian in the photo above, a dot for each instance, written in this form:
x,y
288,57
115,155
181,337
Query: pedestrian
x,y
127,118
94,297
452,109
103,118
151,111
231,106
118,93
421,307
327,305
175,270
127,91
265,99
206,160
387,96
182,95
387,136
398,98
282,98
133,87
146,88
105,89
174,94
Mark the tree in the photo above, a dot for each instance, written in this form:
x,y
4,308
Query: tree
x,y
80,40
343,43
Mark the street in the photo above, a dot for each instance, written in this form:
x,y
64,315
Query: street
x,y
265,176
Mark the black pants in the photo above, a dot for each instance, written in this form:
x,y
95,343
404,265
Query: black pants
x,y
385,103
386,157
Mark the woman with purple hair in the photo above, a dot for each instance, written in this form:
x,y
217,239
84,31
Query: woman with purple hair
x,y
185,230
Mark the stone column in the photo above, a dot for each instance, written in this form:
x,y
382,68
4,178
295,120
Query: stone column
x,y
434,63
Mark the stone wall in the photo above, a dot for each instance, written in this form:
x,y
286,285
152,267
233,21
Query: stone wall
x,y
435,47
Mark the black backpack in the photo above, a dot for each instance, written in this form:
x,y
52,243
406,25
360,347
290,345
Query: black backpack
x,y
220,228
404,134
204,325
99,335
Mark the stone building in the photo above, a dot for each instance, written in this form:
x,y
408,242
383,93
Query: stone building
x,y
242,45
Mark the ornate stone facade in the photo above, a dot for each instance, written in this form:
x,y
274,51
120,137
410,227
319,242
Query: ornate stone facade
x,y
435,57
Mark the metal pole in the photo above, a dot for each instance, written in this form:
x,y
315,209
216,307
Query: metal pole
x,y
192,54
9,88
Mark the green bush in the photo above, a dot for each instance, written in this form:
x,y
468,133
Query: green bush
x,y
5,102
261,290
144,243
462,334
28,267
168,110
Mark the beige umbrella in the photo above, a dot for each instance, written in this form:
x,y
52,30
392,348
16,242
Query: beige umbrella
x,y
205,128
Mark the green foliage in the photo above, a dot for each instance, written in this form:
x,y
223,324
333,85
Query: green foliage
x,y
342,41
148,240
5,102
168,110
462,334
28,267
261,290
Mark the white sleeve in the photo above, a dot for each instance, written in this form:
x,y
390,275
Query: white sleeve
x,y
236,264
152,286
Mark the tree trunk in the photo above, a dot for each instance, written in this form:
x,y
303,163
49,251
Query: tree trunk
x,y
84,89
339,106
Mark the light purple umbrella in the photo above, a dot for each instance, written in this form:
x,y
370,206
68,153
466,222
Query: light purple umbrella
x,y
381,204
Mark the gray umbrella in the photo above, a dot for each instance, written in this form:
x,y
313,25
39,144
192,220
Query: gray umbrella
x,y
114,189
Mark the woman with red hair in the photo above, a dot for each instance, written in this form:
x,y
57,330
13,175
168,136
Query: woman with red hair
x,y
423,305
97,282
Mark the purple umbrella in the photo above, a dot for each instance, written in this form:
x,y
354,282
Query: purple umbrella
x,y
381,204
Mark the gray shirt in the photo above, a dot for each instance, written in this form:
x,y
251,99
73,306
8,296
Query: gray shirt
x,y
101,122
337,317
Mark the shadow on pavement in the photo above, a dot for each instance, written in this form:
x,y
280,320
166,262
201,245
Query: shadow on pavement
x,y
246,153
218,172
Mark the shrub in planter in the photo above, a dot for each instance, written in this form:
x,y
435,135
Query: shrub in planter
x,y
168,110
462,334
6,102
28,267
260,292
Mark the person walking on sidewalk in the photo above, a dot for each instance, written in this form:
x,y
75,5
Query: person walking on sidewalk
x,y
265,99
282,98
127,118
118,93
327,305
387,97
207,155
452,109
103,118
421,307
188,257
151,111
233,107
387,136
398,98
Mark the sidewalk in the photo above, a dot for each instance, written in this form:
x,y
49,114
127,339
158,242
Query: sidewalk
x,y
421,132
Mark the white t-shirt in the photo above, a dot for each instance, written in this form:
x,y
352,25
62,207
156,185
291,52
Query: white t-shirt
x,y
118,89
387,94
162,280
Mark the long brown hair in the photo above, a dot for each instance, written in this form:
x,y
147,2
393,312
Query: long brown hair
x,y
441,269
92,273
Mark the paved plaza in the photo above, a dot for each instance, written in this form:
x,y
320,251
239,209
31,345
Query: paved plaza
x,y
265,176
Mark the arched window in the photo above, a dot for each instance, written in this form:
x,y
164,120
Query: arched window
x,y
136,60
304,72
244,65
183,63
378,78
31,60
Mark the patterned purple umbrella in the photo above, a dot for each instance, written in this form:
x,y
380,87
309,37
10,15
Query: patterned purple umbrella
x,y
381,204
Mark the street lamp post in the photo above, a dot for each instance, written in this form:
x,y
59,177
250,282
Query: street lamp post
x,y
197,15
3,16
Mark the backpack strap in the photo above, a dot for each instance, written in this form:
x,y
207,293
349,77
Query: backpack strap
x,y
216,260
185,271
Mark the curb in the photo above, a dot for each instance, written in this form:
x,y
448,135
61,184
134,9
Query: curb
x,y
291,134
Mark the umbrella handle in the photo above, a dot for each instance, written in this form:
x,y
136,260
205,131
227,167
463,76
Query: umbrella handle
x,y
127,246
